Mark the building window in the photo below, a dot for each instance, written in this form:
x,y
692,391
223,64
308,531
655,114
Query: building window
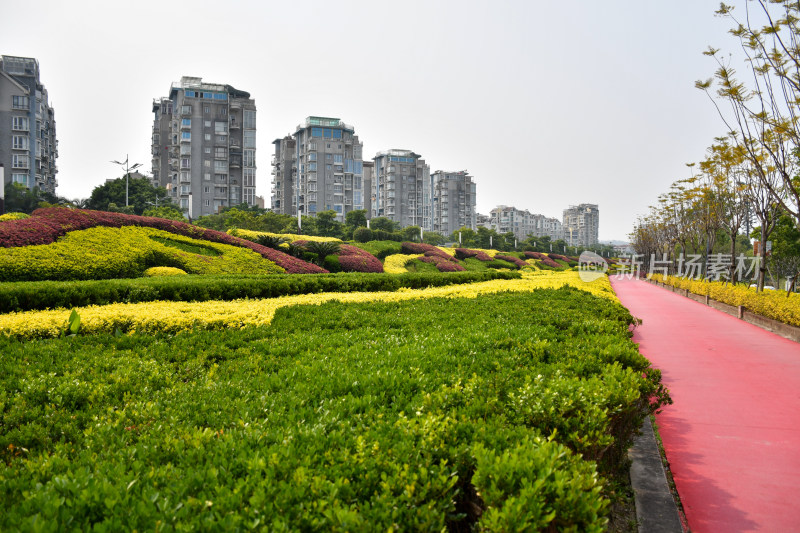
x,y
316,132
207,176
20,102
249,158
337,158
207,203
207,136
186,149
20,124
20,142
207,150
250,138
312,166
220,166
207,163
185,162
186,177
20,161
186,110
186,136
206,109
207,123
249,119
222,138
220,127
220,152
249,176
186,123
223,111
312,156
19,178
220,178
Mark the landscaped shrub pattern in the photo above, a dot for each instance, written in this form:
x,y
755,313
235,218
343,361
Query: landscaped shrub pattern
x,y
27,296
423,249
159,316
48,224
771,304
543,259
396,263
164,271
378,416
103,252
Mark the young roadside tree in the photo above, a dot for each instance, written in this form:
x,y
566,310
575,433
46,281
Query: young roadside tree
x,y
766,115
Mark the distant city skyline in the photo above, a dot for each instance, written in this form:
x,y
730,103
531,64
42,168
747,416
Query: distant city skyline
x,y
545,104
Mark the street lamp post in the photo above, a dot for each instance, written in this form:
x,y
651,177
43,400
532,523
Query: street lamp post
x,y
128,169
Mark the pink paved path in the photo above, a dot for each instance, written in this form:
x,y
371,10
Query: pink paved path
x,y
732,437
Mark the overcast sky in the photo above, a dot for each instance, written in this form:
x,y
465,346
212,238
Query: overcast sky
x,y
546,104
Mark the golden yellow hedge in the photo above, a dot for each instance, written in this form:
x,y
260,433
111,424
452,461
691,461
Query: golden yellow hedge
x,y
771,304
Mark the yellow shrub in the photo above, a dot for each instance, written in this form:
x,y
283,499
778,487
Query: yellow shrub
x,y
771,304
172,317
164,271
13,216
396,263
251,235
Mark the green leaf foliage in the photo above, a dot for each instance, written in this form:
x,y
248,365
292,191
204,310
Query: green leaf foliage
x,y
339,417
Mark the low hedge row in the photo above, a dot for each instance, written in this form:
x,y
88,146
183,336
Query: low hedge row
x,y
25,296
379,416
771,304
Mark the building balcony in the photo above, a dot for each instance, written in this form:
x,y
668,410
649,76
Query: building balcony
x,y
236,125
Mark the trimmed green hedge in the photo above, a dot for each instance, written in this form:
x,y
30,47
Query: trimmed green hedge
x,y
26,296
457,414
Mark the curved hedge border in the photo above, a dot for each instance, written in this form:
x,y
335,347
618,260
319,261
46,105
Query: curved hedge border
x,y
40,295
48,224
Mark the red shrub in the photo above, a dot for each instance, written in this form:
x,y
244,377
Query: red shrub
x,y
443,264
464,253
511,259
422,248
354,259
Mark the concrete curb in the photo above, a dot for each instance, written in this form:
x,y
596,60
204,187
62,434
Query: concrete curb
x,y
656,511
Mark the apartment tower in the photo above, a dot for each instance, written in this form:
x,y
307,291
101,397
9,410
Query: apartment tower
x,y
401,187
28,146
204,146
318,168
581,224
453,202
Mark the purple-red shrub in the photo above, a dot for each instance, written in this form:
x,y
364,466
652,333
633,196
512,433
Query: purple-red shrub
x,y
422,248
442,255
480,255
511,259
46,225
442,264
561,257
536,255
354,259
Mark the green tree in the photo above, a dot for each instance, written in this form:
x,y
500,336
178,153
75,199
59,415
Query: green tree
x,y
140,192
384,224
356,219
20,199
433,237
168,211
327,225
410,233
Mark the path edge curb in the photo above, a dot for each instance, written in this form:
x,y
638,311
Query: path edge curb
x,y
656,510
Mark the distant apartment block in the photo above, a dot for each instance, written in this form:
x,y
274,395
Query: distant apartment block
x,y
580,224
369,172
204,146
318,168
28,145
524,224
453,202
401,188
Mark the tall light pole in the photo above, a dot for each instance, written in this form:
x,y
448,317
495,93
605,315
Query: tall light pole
x,y
128,169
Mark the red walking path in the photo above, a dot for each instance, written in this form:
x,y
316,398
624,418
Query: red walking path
x,y
732,437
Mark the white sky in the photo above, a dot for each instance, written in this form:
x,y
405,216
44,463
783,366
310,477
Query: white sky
x,y
545,103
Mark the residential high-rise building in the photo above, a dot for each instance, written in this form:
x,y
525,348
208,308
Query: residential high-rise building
x,y
369,172
204,146
28,145
401,187
283,172
453,201
327,173
524,224
581,224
